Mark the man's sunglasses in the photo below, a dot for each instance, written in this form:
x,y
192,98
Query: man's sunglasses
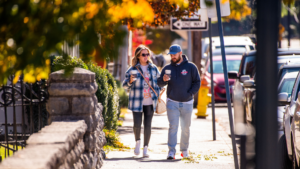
x,y
144,55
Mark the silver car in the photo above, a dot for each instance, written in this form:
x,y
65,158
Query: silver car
x,y
288,94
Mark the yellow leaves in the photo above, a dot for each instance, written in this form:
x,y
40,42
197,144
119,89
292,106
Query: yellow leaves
x,y
182,3
32,74
224,1
91,10
17,76
58,2
239,9
287,2
26,19
140,10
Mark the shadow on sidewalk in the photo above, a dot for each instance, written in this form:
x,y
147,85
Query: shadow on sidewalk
x,y
142,159
128,129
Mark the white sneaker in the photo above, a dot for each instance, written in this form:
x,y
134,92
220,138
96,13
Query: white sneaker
x,y
145,152
137,147
185,154
171,155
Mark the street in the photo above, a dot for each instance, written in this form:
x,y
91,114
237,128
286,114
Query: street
x,y
206,152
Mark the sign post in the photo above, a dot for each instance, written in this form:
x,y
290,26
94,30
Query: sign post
x,y
212,84
227,84
191,24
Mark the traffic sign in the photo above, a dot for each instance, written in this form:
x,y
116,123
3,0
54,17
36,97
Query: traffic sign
x,y
199,22
189,24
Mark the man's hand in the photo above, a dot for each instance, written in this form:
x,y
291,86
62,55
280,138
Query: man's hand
x,y
131,79
166,78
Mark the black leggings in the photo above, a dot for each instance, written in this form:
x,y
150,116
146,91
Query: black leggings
x,y
137,123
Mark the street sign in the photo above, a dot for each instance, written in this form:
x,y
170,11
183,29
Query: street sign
x,y
195,23
189,24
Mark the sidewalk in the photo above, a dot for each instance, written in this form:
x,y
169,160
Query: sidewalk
x,y
201,144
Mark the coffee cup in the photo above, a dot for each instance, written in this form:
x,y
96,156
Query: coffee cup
x,y
134,74
168,73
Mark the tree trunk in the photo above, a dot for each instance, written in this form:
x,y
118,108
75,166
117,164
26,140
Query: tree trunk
x,y
197,55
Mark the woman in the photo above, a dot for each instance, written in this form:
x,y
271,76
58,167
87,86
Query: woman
x,y
142,100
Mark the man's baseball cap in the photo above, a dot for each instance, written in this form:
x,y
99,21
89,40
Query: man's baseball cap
x,y
174,49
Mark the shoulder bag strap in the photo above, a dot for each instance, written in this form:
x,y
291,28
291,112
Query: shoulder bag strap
x,y
147,81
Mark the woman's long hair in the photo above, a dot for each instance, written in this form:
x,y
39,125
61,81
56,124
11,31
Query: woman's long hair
x,y
137,53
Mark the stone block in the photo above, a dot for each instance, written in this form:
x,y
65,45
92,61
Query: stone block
x,y
102,139
90,141
83,105
72,89
58,105
36,157
67,133
73,156
90,121
89,160
79,75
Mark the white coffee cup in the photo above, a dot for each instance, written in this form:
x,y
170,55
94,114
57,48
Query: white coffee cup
x,y
168,72
134,74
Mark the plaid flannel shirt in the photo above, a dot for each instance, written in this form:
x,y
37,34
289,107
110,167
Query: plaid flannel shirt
x,y
136,94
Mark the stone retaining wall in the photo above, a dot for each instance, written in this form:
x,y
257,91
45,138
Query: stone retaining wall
x,y
59,145
74,138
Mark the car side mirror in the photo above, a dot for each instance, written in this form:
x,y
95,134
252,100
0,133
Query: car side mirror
x,y
249,84
233,75
283,98
244,78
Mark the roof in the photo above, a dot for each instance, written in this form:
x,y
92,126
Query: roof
x,y
228,57
231,40
291,65
281,52
230,50
290,75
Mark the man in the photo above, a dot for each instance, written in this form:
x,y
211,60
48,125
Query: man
x,y
183,83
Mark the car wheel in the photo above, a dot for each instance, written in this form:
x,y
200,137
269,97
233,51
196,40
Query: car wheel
x,y
285,161
295,165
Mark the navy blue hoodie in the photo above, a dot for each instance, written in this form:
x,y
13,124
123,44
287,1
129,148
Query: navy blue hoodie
x,y
184,83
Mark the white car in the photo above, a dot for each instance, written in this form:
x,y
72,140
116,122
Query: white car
x,y
229,41
287,98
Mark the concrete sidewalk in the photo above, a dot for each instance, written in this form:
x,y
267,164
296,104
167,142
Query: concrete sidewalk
x,y
201,145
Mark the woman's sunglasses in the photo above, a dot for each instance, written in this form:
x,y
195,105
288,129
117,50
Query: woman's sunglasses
x,y
144,55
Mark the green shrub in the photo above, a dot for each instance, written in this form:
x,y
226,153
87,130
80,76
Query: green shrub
x,y
69,64
107,93
113,108
102,92
123,97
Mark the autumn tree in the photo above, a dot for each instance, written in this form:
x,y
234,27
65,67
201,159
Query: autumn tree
x,y
31,31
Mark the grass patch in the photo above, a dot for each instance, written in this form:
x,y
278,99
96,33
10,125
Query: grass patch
x,y
3,152
113,142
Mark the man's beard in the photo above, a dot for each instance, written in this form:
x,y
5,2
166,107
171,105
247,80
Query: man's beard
x,y
176,61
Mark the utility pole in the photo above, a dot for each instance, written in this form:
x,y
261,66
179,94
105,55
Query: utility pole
x,y
288,25
266,84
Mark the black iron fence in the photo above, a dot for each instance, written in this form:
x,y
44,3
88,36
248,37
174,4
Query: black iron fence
x,y
22,112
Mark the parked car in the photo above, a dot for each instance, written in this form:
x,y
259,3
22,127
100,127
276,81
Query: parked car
x,y
229,42
230,51
246,72
285,88
233,63
288,68
291,121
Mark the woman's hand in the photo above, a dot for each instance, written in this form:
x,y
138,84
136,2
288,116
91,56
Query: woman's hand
x,y
132,79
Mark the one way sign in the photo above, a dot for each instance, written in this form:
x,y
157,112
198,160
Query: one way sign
x,y
189,24
196,23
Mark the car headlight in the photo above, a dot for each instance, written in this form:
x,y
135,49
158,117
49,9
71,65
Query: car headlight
x,y
280,124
